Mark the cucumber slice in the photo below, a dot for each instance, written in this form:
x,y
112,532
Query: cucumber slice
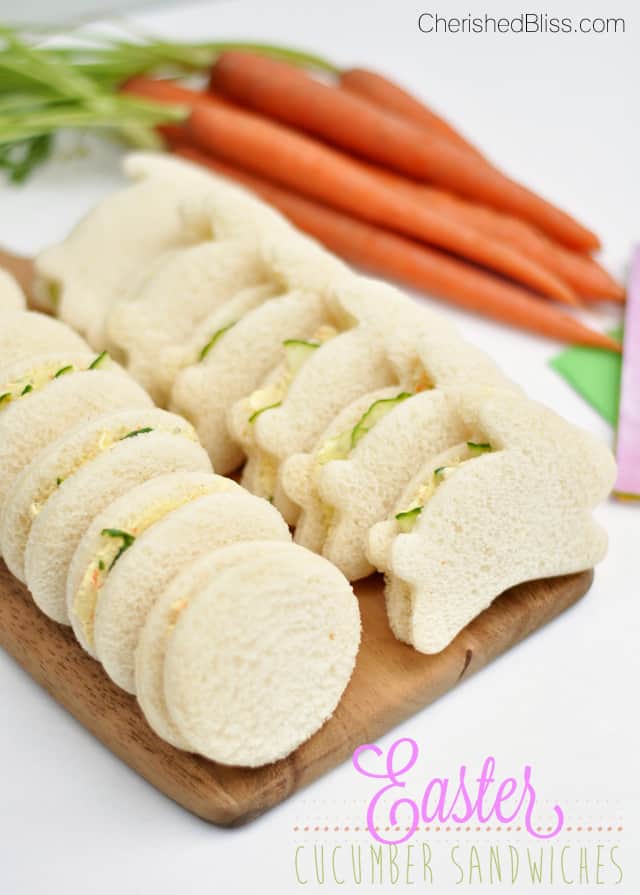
x,y
254,416
126,537
135,432
374,414
479,448
340,447
215,338
63,371
97,361
335,448
408,519
297,352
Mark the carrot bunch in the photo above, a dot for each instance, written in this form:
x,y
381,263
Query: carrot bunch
x,y
387,184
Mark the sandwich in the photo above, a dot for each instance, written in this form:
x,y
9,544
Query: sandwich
x,y
162,373
26,333
234,360
63,458
191,295
512,501
139,542
44,396
247,651
170,205
60,523
318,377
11,297
179,291
368,454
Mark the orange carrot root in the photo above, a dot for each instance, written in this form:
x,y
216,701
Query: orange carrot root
x,y
394,256
289,94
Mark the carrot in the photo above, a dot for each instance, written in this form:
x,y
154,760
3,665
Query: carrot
x,y
322,173
582,273
307,166
164,91
390,96
289,94
389,255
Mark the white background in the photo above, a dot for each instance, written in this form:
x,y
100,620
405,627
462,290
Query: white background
x,y
561,112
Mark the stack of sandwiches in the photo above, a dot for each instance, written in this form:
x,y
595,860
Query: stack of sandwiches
x,y
183,585
350,414
385,440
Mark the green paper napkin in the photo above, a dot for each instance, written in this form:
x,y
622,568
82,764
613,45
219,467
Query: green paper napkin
x,y
595,374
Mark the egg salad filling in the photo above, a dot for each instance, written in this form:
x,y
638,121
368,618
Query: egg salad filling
x,y
37,379
113,543
104,440
460,455
297,352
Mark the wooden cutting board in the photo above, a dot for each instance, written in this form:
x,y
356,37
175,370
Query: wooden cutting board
x,y
391,682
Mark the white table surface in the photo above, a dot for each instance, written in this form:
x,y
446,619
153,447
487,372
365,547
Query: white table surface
x,y
560,112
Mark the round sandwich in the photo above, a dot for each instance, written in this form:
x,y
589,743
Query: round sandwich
x,y
11,297
247,652
151,532
27,333
45,396
63,459
60,524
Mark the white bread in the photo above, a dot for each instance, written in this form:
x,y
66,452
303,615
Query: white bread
x,y
170,206
26,333
287,261
11,297
258,658
360,490
181,290
102,256
518,512
195,347
158,554
62,459
28,425
337,372
133,512
60,525
236,365
297,473
152,643
376,318
352,493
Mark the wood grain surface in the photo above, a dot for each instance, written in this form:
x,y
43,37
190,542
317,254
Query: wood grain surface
x,y
391,682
